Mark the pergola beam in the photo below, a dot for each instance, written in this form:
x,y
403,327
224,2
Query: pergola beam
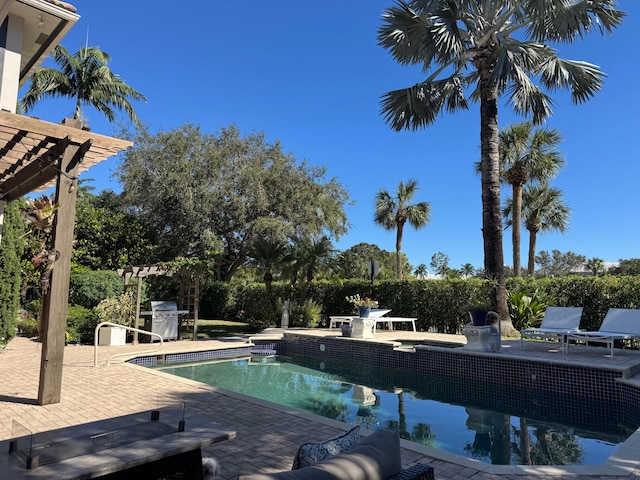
x,y
35,174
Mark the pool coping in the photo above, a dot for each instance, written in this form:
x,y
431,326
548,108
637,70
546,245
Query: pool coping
x,y
622,462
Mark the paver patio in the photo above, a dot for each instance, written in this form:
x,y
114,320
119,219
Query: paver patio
x,y
267,435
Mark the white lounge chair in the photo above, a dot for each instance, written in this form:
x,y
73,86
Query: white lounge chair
x,y
618,324
558,322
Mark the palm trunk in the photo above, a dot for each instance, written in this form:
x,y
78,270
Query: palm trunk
x,y
398,248
532,252
516,216
491,214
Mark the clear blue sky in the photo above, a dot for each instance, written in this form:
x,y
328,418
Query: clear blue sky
x,y
311,75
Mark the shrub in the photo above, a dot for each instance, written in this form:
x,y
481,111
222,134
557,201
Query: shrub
x,y
526,309
120,309
28,327
81,324
305,314
89,287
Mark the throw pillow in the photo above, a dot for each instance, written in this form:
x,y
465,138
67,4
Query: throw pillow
x,y
312,453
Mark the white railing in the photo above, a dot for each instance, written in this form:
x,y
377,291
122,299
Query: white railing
x,y
110,324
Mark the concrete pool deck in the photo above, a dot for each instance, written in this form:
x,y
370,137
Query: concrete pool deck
x,y
268,435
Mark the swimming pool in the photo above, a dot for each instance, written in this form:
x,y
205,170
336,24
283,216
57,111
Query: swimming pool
x,y
485,422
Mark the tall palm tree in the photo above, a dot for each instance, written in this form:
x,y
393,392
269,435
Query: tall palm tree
x,y
392,212
477,51
86,78
543,210
526,155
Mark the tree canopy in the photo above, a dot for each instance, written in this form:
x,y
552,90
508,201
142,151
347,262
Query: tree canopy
x,y
209,196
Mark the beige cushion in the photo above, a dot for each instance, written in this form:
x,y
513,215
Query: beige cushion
x,y
375,458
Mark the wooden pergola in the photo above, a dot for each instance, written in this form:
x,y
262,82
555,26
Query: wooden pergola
x,y
189,297
36,155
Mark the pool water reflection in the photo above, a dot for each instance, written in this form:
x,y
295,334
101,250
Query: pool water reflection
x,y
487,422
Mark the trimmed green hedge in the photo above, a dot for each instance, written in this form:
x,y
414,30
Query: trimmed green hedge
x,y
439,305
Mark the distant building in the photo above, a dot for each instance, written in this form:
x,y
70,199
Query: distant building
x,y
586,271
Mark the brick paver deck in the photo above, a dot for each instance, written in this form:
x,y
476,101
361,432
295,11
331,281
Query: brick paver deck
x,y
267,435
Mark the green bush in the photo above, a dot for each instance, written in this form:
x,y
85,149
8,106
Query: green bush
x,y
526,309
305,314
88,287
120,309
28,327
81,324
437,304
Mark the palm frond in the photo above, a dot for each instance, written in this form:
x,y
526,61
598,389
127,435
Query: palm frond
x,y
528,98
583,79
418,106
564,21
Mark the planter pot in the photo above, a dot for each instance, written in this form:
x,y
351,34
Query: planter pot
x,y
112,336
346,330
479,317
364,312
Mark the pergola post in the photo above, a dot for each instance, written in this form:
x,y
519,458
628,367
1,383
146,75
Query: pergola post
x,y
55,301
2,204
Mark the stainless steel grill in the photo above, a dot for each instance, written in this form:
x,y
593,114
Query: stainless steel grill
x,y
162,318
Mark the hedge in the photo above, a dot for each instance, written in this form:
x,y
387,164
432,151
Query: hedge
x,y
439,305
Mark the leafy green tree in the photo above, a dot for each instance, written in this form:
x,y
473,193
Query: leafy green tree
x,y
212,195
354,262
107,235
558,264
479,51
11,249
86,78
440,263
526,154
394,211
595,265
629,266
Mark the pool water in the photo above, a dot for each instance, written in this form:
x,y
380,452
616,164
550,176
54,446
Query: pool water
x,y
486,422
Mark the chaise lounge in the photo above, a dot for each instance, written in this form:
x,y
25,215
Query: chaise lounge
x,y
557,324
618,324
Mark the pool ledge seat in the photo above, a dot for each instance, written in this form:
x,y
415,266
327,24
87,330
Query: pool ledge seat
x,y
376,457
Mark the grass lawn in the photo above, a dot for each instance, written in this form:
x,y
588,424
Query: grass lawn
x,y
219,328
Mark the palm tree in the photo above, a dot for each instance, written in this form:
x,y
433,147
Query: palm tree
x,y
467,270
595,265
392,212
86,78
421,271
526,155
268,254
543,210
478,51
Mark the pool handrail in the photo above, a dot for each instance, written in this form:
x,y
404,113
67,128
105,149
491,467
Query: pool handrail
x,y
111,324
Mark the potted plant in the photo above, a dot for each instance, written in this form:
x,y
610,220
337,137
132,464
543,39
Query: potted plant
x,y
119,310
364,305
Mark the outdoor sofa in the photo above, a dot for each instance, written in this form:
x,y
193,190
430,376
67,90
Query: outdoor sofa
x,y
376,457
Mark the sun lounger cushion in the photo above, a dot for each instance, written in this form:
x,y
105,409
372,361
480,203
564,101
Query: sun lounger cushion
x,y
377,457
312,453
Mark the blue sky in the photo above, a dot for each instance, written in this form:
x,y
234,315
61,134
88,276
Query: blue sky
x,y
311,76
